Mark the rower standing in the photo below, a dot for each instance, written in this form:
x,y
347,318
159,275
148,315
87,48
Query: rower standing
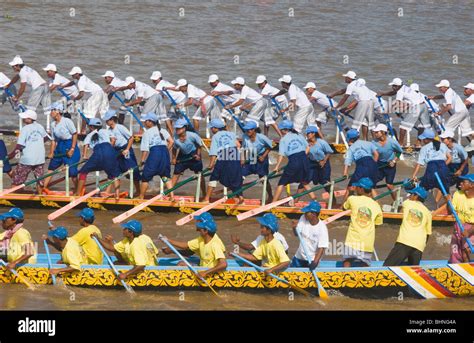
x,y
321,101
270,93
459,165
226,93
112,83
178,97
469,92
56,81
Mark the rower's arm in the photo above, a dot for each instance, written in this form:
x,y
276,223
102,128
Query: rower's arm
x,y
279,162
79,96
342,101
281,92
134,102
27,253
449,158
212,162
85,149
247,256
265,154
351,106
74,142
445,109
221,265
336,93
317,257
236,104
178,244
69,84
387,93
436,97
52,148
50,242
21,90
463,165
376,155
415,172
62,270
133,271
278,268
130,143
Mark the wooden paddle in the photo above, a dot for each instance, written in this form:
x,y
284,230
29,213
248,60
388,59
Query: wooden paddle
x,y
64,94
20,277
338,124
237,120
129,110
191,268
50,265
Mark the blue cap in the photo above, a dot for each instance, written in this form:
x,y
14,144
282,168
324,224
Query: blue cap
x,y
95,122
14,213
206,221
285,125
313,206
312,129
109,114
270,221
365,183
250,125
469,177
149,116
216,123
427,134
133,225
87,214
352,133
58,106
60,232
420,191
181,122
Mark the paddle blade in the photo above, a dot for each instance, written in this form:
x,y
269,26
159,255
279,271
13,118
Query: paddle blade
x,y
72,204
191,216
136,209
11,190
337,216
264,208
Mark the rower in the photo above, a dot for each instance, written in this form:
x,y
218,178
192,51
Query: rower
x,y
351,79
63,149
72,255
314,234
469,92
123,146
83,236
321,101
178,97
293,146
459,165
257,147
365,215
7,168
96,104
31,145
15,242
250,247
389,151
155,146
112,83
436,157
57,80
208,246
135,249
299,102
4,97
227,94
186,153
365,156
270,252
225,160
39,94
270,93
414,231
104,156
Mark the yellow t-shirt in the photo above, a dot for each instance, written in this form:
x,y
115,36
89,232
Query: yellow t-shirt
x,y
73,255
416,225
140,252
366,213
209,253
270,253
92,250
464,207
16,246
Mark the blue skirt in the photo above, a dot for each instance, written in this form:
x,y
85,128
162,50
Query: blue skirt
x,y
62,148
365,167
429,180
188,163
259,168
297,170
128,163
157,163
4,156
103,158
228,172
387,172
453,167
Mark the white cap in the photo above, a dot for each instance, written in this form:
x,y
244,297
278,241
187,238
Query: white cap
x,y
310,85
415,87
213,78
381,127
396,82
75,70
238,81
16,61
448,133
50,67
260,79
109,73
285,78
181,83
350,74
470,85
129,80
28,114
443,83
155,75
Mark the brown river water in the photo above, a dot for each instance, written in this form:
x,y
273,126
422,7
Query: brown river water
x,y
209,38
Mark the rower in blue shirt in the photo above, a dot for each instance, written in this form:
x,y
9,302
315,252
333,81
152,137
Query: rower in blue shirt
x,y
225,161
7,169
155,147
435,156
459,165
389,151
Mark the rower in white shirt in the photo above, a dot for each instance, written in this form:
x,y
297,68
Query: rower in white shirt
x,y
270,93
226,93
4,97
112,83
321,101
56,81
469,93
178,97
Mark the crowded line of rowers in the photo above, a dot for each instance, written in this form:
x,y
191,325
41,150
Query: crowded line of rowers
x,y
269,249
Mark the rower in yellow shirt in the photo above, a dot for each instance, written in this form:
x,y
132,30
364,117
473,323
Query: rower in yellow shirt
x,y
15,242
270,252
365,215
414,231
208,246
83,236
72,255
136,248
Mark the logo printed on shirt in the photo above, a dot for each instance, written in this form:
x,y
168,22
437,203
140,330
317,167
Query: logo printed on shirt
x,y
293,145
415,217
364,217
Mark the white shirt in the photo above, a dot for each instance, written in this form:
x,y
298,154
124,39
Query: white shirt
x,y
31,77
179,97
407,94
227,99
314,237
276,235
84,84
32,138
4,80
321,100
195,93
454,100
270,91
116,82
60,80
143,90
295,93
351,86
249,95
359,91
